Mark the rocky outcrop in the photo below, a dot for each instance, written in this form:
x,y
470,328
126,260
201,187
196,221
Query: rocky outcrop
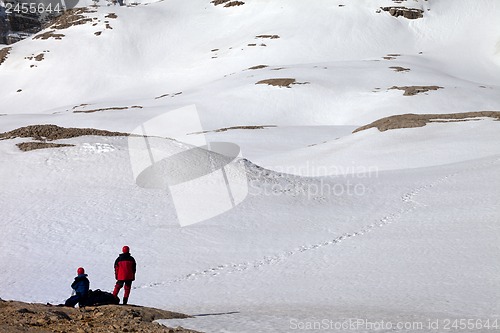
x,y
4,52
15,27
39,318
227,3
409,13
4,28
413,90
419,120
54,132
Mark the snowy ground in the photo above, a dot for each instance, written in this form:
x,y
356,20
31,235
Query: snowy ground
x,y
400,226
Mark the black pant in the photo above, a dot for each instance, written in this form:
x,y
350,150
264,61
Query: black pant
x,y
127,283
119,284
73,300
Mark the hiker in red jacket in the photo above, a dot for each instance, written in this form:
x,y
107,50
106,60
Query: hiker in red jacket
x,y
124,273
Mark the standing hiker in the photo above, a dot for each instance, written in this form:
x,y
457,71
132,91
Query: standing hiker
x,y
81,288
124,273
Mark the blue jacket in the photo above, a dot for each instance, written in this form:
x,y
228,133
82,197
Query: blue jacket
x,y
81,284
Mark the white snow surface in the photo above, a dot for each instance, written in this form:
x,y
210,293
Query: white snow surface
x,y
400,226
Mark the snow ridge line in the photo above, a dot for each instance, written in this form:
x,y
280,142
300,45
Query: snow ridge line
x,y
407,198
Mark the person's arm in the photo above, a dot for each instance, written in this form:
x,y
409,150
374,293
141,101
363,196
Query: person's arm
x,y
86,284
116,268
134,265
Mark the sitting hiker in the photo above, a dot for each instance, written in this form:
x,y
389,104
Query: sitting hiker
x,y
81,289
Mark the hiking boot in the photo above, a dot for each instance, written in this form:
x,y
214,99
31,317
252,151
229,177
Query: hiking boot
x,y
125,300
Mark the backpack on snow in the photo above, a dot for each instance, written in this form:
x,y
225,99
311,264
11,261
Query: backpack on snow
x,y
99,297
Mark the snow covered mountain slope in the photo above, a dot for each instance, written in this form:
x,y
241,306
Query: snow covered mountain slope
x,y
400,225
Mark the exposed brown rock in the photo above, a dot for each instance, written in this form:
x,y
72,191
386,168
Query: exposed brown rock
x,y
419,120
286,82
39,57
268,36
258,67
48,34
71,17
409,13
282,82
54,132
413,90
171,95
251,127
39,318
400,69
27,146
219,2
4,53
108,109
234,3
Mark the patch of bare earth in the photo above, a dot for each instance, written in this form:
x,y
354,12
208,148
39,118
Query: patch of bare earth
x,y
419,120
171,95
268,36
227,3
71,17
258,67
413,90
399,69
219,2
391,56
54,132
28,146
284,82
49,34
251,127
409,13
4,53
234,3
39,318
109,109
38,57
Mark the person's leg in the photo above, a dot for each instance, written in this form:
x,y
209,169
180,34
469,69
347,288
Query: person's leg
x,y
82,300
128,286
71,302
118,286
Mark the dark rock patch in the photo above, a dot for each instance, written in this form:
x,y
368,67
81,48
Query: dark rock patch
x,y
399,69
413,90
49,34
409,13
258,67
71,17
234,3
419,120
4,54
39,318
28,146
53,132
268,36
225,129
282,82
109,109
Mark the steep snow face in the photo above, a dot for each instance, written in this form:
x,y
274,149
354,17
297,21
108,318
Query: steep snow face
x,y
203,51
400,225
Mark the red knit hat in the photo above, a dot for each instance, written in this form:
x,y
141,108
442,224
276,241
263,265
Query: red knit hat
x,y
125,249
80,271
